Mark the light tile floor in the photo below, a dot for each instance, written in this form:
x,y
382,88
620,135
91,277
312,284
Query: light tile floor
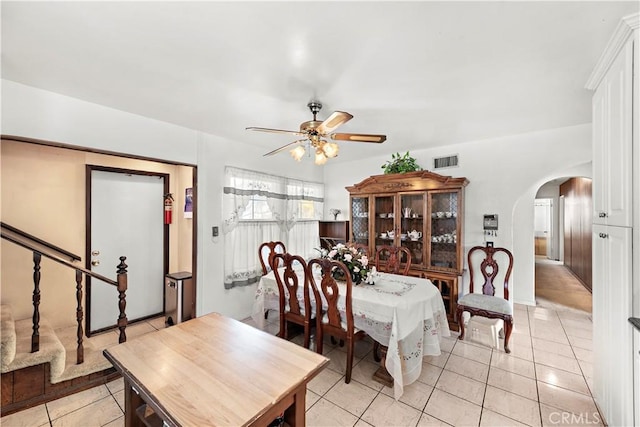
x,y
546,380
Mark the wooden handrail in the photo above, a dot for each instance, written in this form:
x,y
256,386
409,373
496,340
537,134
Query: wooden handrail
x,y
70,255
120,284
60,260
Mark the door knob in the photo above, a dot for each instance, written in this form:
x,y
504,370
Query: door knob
x,y
95,253
95,262
603,235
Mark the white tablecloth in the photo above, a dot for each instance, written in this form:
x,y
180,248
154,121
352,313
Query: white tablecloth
x,y
404,313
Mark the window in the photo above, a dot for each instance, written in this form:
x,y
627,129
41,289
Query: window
x,y
259,207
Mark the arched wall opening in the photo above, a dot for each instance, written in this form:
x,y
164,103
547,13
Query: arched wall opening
x,y
523,225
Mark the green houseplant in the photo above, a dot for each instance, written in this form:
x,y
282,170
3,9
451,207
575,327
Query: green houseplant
x,y
401,164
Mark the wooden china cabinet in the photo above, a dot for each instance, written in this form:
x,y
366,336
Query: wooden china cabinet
x,y
422,211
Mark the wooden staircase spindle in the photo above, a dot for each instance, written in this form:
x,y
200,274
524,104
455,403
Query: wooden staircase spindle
x,y
122,302
79,316
35,336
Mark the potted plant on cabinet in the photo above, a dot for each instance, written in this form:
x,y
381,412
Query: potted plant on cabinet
x,y
401,163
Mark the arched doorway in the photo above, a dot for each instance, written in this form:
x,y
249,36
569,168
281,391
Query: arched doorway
x,y
562,235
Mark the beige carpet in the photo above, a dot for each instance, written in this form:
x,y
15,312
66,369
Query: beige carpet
x,y
56,347
558,288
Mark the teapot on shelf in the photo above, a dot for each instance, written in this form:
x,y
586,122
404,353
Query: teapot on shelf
x,y
391,234
415,234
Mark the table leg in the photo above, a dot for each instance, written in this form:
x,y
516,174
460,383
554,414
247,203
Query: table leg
x,y
131,402
294,415
382,375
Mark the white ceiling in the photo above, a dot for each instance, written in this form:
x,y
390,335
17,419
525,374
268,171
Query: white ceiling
x,y
423,73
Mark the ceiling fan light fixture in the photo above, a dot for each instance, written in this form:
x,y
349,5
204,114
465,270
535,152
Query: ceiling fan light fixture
x,y
321,159
317,134
298,152
330,149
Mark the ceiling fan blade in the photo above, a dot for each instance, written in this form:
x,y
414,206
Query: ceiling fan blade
x,y
291,132
358,137
333,121
284,147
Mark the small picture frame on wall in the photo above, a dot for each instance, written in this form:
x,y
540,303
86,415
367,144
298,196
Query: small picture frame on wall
x,y
188,203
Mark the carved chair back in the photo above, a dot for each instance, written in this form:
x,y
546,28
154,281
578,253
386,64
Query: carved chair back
x,y
333,322
266,251
291,279
489,269
389,258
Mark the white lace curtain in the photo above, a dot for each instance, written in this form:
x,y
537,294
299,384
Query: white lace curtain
x,y
259,207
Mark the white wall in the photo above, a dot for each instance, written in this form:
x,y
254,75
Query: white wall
x,y
39,114
505,174
34,113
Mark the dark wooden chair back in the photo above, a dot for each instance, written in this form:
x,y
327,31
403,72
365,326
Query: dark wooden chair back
x,y
361,247
333,322
293,307
489,268
266,251
389,259
490,262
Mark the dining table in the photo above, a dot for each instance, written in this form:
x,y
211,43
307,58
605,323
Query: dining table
x,y
213,371
405,314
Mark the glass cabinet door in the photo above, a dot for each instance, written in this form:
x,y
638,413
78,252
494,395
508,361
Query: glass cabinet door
x,y
384,223
360,220
412,226
444,230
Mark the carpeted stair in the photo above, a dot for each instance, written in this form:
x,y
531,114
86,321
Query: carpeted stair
x,y
57,347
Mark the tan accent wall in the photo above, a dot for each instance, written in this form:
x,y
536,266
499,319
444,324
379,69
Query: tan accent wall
x,y
43,193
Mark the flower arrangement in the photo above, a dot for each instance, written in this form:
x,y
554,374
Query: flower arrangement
x,y
356,262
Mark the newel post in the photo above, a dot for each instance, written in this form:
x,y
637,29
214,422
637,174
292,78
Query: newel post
x,y
122,302
35,336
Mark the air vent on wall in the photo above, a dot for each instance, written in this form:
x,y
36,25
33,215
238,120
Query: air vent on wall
x,y
445,162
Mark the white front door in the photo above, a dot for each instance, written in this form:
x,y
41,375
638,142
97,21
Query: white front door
x,y
126,219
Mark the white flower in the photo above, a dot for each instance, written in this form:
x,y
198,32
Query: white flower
x,y
356,269
333,253
364,260
348,257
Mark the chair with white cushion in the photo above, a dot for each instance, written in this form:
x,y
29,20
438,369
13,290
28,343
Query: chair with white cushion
x,y
492,264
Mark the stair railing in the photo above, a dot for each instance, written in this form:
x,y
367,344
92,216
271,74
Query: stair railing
x,y
120,283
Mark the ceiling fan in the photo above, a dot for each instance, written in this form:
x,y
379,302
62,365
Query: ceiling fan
x,y
315,130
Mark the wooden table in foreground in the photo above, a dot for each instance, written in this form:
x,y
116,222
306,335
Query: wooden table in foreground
x,y
214,371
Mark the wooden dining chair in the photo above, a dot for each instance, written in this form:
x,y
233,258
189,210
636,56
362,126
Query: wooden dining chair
x,y
332,322
388,259
487,304
360,247
293,309
266,251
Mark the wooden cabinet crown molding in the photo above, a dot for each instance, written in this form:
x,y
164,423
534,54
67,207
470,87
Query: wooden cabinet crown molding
x,y
410,181
623,31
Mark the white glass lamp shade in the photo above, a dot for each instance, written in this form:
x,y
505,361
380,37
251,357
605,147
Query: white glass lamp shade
x,y
297,152
321,159
330,149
